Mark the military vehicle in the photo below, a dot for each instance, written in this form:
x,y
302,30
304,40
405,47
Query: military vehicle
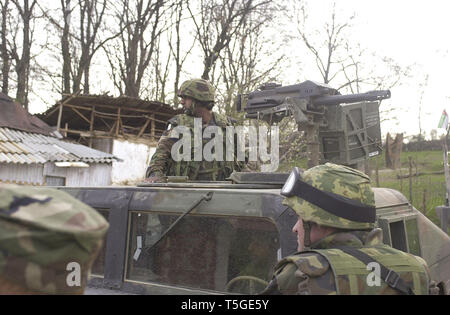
x,y
225,237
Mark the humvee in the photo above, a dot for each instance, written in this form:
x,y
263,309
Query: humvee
x,y
225,237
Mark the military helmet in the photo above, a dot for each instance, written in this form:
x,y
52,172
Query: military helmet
x,y
198,89
44,235
338,196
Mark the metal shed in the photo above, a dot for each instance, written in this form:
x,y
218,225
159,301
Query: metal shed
x,y
31,153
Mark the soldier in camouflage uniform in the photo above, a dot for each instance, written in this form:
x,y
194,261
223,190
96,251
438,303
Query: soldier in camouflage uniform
x,y
48,241
197,97
338,244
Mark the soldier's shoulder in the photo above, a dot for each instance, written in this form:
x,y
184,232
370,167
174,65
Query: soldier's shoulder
x,y
309,263
297,273
223,120
180,120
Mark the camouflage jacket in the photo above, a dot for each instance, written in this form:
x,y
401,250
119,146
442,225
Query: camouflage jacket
x,y
162,163
325,270
45,234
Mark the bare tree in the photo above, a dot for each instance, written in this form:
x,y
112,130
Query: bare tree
x,y
326,45
217,22
345,64
244,62
342,61
4,47
130,56
65,46
161,73
22,58
81,23
175,44
172,49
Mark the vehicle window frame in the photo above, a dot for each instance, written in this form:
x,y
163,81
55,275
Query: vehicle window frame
x,y
130,251
123,200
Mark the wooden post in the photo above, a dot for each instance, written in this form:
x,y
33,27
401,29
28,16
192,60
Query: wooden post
x,y
447,177
424,201
118,122
58,125
91,126
401,180
410,179
377,175
141,132
153,127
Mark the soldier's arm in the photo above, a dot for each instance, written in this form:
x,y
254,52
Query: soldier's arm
x,y
303,274
160,160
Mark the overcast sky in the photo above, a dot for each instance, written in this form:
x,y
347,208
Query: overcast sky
x,y
410,32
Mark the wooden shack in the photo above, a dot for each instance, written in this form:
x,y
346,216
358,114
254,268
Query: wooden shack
x,y
126,127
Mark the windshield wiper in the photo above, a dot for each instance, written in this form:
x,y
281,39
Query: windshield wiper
x,y
206,197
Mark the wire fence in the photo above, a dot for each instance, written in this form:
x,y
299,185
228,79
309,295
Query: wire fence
x,y
420,178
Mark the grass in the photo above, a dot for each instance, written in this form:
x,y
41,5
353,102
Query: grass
x,y
428,191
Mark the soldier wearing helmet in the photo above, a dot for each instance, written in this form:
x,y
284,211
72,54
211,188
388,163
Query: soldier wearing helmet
x,y
338,243
197,97
48,241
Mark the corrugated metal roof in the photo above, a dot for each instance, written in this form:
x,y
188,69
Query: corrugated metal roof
x,y
21,147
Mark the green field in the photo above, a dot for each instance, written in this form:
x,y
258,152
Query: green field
x,y
428,191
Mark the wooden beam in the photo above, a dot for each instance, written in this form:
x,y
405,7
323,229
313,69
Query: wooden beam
x,y
113,115
53,111
91,127
58,124
80,114
118,122
111,131
139,110
153,127
106,135
144,127
106,124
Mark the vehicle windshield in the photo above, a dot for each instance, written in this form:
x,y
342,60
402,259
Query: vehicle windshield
x,y
227,254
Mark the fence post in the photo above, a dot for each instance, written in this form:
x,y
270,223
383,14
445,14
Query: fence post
x,y
410,179
401,180
424,201
377,177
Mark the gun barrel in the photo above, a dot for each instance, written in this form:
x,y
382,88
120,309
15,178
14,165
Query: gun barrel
x,y
352,98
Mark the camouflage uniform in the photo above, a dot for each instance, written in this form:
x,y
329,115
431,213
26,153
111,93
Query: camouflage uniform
x,y
44,235
162,163
326,267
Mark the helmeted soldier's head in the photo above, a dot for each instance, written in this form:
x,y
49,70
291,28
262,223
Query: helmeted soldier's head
x,y
330,196
48,241
196,92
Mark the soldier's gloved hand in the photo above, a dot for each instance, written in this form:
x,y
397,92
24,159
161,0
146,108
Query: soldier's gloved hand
x,y
433,288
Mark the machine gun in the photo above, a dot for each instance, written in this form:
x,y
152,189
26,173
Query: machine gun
x,y
345,128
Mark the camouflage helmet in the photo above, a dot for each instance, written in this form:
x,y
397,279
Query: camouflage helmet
x,y
342,181
198,89
48,240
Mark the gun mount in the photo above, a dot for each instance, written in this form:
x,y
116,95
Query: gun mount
x,y
345,128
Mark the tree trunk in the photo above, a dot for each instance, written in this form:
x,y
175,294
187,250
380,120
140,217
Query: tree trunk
x,y
23,65
4,50
65,48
